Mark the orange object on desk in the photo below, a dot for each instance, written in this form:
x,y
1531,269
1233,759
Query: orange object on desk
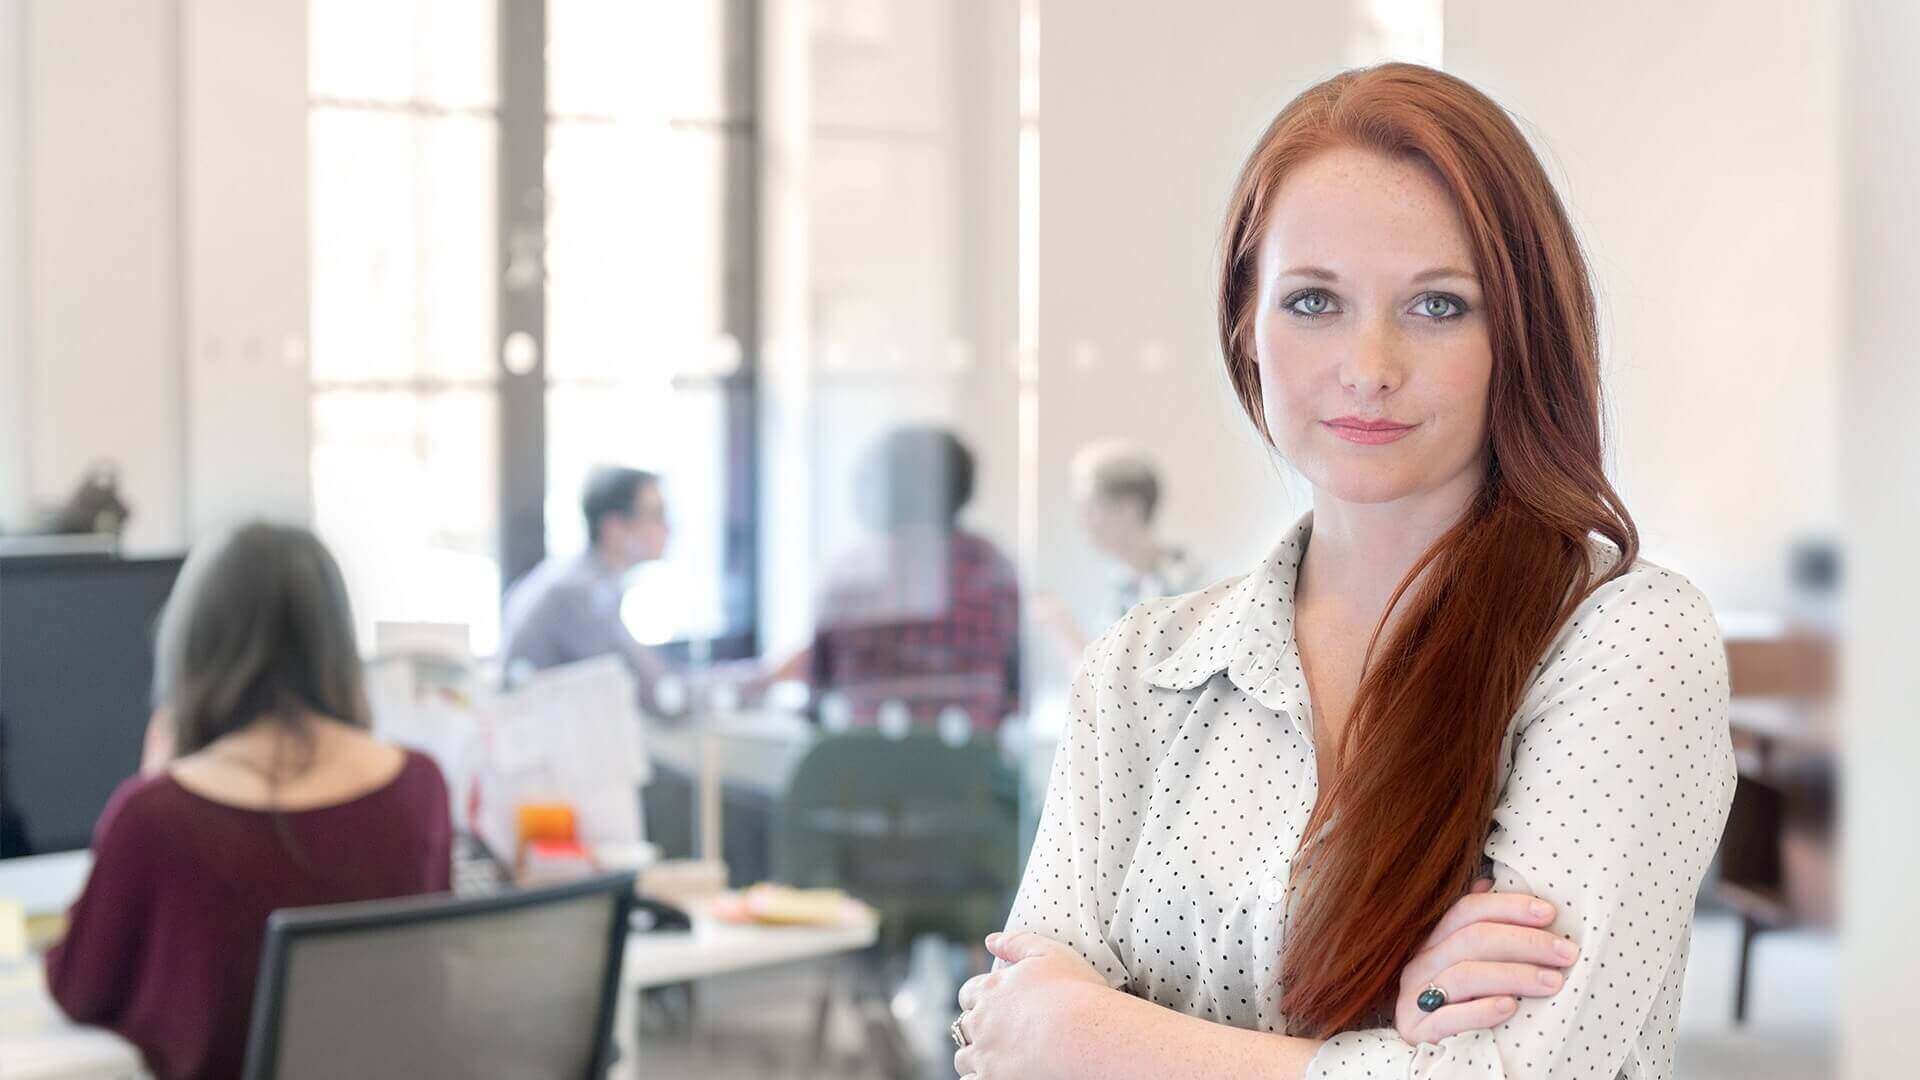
x,y
553,822
543,861
549,841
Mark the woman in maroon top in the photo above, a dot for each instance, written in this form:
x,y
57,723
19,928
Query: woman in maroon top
x,y
261,790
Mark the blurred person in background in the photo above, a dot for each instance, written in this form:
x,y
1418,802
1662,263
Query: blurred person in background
x,y
1117,489
260,789
925,615
567,609
1430,793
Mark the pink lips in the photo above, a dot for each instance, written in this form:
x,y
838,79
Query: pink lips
x,y
1367,432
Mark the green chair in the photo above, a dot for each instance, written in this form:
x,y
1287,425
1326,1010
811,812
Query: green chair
x,y
925,831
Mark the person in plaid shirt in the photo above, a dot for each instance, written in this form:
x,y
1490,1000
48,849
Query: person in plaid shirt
x,y
926,614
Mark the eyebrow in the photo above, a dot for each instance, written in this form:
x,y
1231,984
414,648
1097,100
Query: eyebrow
x,y
1321,273
1444,272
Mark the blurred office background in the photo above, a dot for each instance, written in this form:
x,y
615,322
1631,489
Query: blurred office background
x,y
406,269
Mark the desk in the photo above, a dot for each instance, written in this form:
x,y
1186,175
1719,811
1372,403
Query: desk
x,y
714,948
45,884
752,751
38,1043
1772,872
756,749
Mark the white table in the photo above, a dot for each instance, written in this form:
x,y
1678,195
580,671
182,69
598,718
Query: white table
x,y
45,884
755,748
712,948
715,948
38,1043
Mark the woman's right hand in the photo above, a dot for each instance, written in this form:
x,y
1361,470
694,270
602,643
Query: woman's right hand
x,y
1488,951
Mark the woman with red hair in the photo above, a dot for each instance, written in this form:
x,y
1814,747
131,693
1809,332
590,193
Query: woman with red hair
x,y
1428,794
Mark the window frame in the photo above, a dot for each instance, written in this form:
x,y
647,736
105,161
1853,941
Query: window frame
x,y
523,120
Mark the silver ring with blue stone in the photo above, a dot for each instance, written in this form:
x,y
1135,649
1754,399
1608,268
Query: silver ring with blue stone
x,y
1431,998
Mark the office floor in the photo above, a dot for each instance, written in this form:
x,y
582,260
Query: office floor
x,y
754,1027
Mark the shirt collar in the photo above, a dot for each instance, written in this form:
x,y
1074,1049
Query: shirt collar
x,y
588,567
1248,634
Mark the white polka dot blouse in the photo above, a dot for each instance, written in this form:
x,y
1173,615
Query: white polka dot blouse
x,y
1186,773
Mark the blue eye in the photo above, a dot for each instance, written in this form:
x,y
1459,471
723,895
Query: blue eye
x,y
1440,307
1310,302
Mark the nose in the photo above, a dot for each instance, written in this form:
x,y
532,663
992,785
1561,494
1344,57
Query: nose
x,y
1373,365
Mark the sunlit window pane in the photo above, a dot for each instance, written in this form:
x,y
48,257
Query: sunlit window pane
x,y
436,52
403,251
365,245
635,248
643,61
403,489
404,189
458,249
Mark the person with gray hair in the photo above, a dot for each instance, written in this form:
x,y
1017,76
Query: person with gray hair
x,y
261,788
1117,492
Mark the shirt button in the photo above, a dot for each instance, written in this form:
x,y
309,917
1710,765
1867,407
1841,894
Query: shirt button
x,y
1271,890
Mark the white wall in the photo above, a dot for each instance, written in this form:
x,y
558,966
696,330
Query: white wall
x,y
16,383
103,156
153,246
1144,121
1696,146
244,258
1881,455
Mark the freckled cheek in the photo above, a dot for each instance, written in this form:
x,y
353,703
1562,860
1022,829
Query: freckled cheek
x,y
1292,373
1455,400
1459,387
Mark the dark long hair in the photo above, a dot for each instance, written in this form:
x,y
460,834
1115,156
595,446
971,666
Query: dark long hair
x,y
258,627
1413,786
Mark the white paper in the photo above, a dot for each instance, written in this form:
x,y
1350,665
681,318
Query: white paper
x,y
437,720
569,734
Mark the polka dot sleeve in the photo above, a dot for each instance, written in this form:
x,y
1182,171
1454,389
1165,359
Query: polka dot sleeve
x,y
1621,777
1081,850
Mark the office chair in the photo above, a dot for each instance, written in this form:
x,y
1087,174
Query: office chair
x,y
925,832
521,984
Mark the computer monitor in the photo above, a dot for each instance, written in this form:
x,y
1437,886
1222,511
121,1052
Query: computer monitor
x,y
76,667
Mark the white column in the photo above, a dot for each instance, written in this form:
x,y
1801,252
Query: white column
x,y
16,386
1880,492
104,249
244,252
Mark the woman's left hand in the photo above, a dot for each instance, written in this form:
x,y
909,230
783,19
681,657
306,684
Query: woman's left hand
x,y
1015,1017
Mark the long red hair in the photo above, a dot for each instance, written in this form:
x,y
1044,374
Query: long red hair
x,y
1413,787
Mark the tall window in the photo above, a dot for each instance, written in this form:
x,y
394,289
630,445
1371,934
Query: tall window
x,y
404,138
650,287
645,267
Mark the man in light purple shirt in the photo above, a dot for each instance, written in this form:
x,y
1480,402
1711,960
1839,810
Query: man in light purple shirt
x,y
568,608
